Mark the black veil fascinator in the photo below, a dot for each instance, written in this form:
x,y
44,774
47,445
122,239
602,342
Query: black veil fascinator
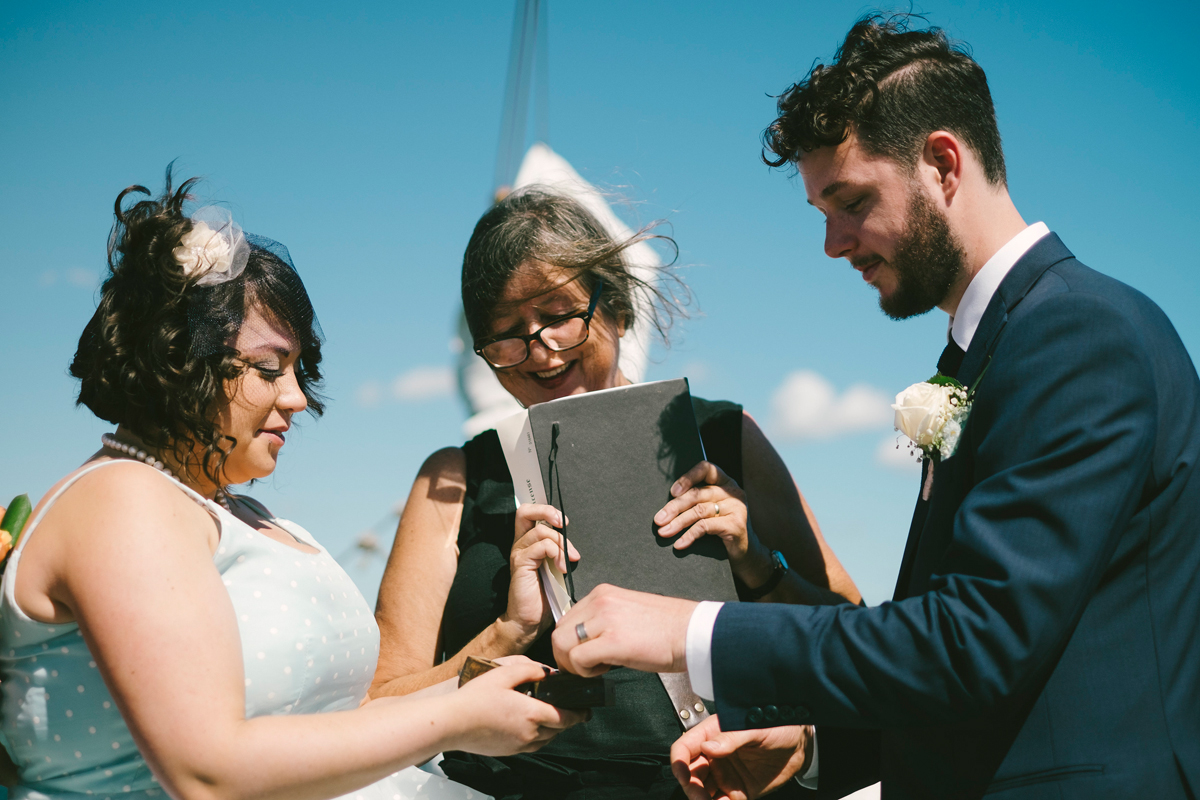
x,y
261,276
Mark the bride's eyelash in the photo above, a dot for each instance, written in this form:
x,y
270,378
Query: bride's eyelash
x,y
269,373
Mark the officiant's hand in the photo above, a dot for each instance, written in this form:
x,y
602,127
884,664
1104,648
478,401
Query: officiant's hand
x,y
739,765
710,503
614,627
534,539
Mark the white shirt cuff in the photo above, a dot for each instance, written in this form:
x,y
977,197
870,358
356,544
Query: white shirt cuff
x,y
698,648
808,779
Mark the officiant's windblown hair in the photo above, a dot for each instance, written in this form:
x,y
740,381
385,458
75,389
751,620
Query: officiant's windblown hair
x,y
892,87
536,226
140,362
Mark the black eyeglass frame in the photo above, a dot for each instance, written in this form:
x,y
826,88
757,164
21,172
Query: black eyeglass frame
x,y
529,338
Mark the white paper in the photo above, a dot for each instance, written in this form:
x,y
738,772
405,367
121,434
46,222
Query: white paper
x,y
520,453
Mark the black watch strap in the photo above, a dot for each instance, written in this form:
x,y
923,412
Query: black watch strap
x,y
781,568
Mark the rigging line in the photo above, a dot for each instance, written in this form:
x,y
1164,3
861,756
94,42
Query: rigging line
x,y
516,101
542,78
510,89
524,84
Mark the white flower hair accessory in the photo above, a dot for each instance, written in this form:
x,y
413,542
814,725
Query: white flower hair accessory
x,y
932,414
215,249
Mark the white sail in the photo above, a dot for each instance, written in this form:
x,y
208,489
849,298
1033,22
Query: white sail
x,y
486,399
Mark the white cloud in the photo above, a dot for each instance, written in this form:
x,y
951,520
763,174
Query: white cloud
x,y
81,278
894,453
417,385
369,394
696,370
807,406
424,383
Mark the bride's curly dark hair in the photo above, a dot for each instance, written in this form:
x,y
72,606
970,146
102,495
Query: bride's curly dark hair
x,y
138,362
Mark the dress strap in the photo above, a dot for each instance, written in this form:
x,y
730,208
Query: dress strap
x,y
10,570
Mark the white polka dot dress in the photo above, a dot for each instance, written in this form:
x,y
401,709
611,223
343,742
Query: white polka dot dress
x,y
309,645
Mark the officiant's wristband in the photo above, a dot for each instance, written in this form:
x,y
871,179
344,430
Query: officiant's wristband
x,y
781,568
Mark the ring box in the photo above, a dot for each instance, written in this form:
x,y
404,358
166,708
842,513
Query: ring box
x,y
559,689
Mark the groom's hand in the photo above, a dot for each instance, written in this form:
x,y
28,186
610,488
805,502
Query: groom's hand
x,y
614,627
740,765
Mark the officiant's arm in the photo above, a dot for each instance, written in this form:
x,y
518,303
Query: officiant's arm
x,y
409,609
421,570
783,521
768,514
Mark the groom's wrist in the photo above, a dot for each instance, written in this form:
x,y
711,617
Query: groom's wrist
x,y
810,770
698,648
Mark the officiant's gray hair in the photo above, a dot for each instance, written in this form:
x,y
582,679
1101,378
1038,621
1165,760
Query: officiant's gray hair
x,y
536,225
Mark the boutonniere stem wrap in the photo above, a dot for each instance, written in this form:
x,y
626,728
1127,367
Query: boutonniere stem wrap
x,y
932,414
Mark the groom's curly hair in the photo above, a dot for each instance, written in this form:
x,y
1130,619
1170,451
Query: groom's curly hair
x,y
892,87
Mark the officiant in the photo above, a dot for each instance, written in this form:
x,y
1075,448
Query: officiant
x,y
548,295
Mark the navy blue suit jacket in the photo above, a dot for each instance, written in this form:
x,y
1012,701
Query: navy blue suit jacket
x,y
1043,640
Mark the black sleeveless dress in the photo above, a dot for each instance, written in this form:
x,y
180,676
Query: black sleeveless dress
x,y
621,753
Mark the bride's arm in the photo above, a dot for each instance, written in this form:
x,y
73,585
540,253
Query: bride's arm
x,y
130,559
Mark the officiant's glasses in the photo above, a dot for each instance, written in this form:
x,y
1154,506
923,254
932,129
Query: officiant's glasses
x,y
564,333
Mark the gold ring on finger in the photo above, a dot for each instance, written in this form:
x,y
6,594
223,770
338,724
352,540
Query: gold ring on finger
x,y
716,509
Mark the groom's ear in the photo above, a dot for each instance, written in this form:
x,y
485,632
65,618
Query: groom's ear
x,y
943,162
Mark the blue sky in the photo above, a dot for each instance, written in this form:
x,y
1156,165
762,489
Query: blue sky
x,y
365,139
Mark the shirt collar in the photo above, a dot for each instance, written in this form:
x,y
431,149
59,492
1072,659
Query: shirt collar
x,y
979,291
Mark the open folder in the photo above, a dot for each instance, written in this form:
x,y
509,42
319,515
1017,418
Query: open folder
x,y
607,460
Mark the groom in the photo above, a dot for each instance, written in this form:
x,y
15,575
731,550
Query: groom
x,y
1044,638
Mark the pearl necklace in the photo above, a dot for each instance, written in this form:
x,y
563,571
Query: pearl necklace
x,y
112,443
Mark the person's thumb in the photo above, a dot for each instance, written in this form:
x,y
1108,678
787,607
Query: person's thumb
x,y
720,746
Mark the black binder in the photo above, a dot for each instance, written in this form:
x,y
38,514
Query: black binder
x,y
607,460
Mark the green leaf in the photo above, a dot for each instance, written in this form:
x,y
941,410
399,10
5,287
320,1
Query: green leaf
x,y
945,380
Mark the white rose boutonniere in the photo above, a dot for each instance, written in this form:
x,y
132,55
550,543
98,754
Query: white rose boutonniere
x,y
932,414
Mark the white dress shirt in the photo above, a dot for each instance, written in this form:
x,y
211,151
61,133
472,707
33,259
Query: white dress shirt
x,y
985,283
975,300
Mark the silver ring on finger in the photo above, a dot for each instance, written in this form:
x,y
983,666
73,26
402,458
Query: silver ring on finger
x,y
581,632
716,509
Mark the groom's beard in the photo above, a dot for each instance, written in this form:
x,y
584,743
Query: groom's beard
x,y
928,260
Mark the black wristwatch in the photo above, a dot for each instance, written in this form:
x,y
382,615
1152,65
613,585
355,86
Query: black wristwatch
x,y
781,568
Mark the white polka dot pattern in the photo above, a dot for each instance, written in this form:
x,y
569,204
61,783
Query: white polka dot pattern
x,y
68,737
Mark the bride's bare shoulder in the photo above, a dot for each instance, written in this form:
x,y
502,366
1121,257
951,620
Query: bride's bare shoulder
x,y
122,511
120,495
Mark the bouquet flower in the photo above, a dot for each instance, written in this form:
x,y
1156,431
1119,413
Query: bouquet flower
x,y
12,522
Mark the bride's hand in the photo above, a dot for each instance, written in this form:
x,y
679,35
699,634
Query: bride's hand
x,y
528,613
494,720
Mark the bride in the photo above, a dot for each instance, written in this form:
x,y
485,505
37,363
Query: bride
x,y
160,633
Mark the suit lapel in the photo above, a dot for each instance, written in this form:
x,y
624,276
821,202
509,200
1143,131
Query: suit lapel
x,y
920,513
1048,251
